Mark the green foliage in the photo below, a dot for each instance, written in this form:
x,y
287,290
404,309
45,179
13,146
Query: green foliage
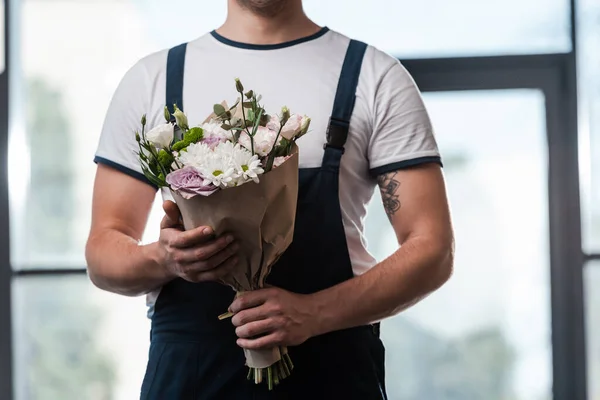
x,y
179,146
194,135
165,159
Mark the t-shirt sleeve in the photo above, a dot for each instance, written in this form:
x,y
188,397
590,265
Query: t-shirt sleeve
x,y
117,147
402,133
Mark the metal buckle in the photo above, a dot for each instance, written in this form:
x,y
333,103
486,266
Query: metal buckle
x,y
337,133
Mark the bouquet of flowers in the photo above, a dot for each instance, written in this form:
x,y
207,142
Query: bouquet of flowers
x,y
237,152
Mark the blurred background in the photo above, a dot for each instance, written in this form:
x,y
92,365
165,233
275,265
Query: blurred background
x,y
513,88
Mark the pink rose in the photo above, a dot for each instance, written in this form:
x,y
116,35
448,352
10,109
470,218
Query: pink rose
x,y
292,127
263,141
188,183
274,123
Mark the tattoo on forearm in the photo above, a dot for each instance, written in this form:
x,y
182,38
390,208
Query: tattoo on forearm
x,y
389,186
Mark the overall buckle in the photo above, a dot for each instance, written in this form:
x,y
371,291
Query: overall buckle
x,y
337,133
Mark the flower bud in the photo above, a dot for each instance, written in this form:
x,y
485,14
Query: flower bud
x,y
167,114
137,137
305,125
249,95
181,119
144,120
285,115
238,85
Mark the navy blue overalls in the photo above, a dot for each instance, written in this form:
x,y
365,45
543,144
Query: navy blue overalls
x,y
194,356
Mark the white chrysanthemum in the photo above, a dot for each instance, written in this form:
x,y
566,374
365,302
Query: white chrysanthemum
x,y
247,166
195,155
219,172
218,167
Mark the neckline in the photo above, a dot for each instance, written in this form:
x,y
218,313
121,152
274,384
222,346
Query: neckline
x,y
249,46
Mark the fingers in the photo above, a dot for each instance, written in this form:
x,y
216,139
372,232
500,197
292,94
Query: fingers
x,y
264,342
256,328
194,237
207,256
247,300
172,218
248,316
215,274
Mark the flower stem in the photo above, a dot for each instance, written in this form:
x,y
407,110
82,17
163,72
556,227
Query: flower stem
x,y
276,374
285,371
246,127
226,315
288,361
271,156
270,378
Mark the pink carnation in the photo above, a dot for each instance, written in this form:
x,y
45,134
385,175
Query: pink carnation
x,y
279,160
188,183
213,140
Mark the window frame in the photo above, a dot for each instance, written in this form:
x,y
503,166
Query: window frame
x,y
6,381
554,74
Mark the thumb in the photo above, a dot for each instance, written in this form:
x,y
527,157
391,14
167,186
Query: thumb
x,y
172,218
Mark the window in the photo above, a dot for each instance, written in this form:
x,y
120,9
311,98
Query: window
x,y
592,303
59,102
495,343
589,102
2,50
76,342
486,333
440,28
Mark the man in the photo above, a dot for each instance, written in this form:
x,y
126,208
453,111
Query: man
x,y
327,292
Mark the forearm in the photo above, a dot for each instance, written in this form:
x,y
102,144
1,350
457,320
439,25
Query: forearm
x,y
118,264
419,267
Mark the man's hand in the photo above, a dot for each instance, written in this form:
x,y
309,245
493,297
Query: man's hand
x,y
194,255
273,317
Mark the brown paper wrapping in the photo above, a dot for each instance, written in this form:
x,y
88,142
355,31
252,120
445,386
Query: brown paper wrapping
x,y
262,358
261,217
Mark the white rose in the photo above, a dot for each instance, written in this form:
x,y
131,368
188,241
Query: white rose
x,y
161,136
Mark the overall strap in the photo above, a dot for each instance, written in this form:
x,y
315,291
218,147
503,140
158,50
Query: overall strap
x,y
339,123
175,67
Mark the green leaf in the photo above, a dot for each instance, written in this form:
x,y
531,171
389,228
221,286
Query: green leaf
x,y
247,104
219,109
226,127
251,116
153,178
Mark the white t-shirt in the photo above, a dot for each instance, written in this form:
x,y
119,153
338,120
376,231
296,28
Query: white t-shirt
x,y
389,130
